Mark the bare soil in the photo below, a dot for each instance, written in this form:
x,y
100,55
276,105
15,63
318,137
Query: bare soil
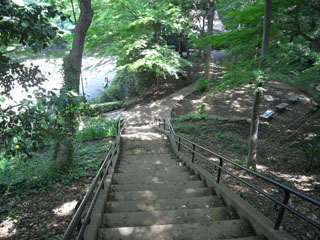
x,y
282,153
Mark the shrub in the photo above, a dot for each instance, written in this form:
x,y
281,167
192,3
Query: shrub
x,y
98,128
99,108
202,85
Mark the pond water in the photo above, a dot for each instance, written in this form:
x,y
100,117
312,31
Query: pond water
x,y
94,72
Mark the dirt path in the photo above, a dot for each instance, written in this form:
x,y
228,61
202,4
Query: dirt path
x,y
144,113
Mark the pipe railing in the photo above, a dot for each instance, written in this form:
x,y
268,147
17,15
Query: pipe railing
x,y
106,163
194,150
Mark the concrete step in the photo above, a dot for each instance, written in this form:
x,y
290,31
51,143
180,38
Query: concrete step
x,y
152,168
169,193
161,186
122,178
147,218
140,142
164,204
162,156
153,161
260,237
204,231
143,150
137,171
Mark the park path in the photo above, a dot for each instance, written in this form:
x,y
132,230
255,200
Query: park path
x,y
144,113
154,196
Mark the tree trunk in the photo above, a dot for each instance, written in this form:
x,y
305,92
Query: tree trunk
x,y
253,141
156,37
210,31
72,69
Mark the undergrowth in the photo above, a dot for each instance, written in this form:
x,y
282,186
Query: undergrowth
x,y
191,117
38,174
98,128
205,132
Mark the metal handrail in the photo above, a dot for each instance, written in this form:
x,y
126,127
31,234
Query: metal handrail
x,y
102,173
287,190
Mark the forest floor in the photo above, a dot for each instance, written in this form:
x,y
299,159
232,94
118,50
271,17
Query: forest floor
x,y
284,151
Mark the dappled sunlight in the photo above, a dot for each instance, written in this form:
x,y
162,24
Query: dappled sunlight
x,y
300,182
126,231
269,98
144,113
262,168
8,228
65,209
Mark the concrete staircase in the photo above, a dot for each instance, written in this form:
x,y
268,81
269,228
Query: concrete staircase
x,y
155,197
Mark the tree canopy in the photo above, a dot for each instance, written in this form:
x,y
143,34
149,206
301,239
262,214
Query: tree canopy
x,y
28,26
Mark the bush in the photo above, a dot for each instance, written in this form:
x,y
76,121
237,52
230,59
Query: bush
x,y
99,108
202,85
98,128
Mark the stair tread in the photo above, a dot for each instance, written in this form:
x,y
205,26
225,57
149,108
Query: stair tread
x,y
140,179
147,158
259,237
201,231
154,169
147,218
169,193
156,186
164,204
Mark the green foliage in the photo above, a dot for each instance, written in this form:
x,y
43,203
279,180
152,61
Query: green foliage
x,y
191,117
98,128
294,49
27,26
135,32
186,129
99,108
38,174
202,85
120,88
201,109
35,122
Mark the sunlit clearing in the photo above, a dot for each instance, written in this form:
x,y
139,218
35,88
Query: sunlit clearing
x,y
65,209
7,228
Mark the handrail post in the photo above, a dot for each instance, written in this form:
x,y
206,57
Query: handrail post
x,y
179,143
219,171
193,150
282,210
164,124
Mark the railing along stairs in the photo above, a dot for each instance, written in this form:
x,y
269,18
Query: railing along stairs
x,y
194,148
77,223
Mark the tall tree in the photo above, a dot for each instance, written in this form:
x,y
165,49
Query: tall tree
x,y
136,34
253,141
210,31
72,70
